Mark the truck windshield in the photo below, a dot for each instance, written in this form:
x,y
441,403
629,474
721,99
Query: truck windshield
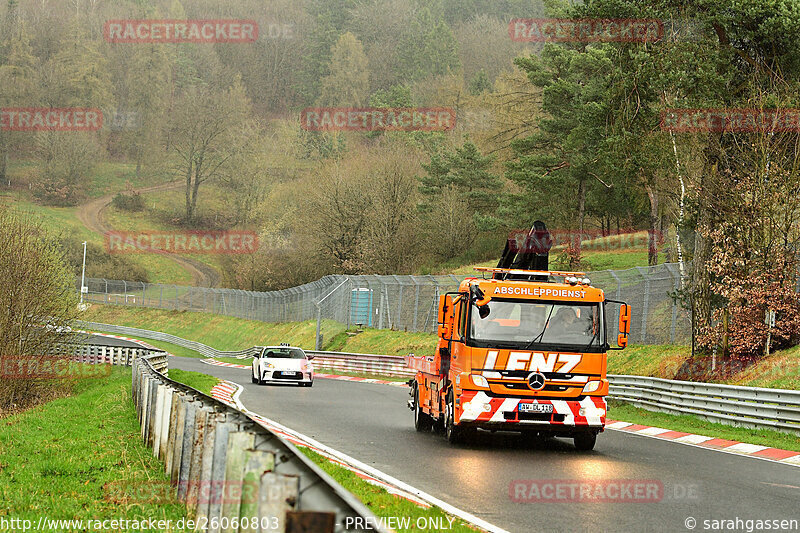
x,y
530,324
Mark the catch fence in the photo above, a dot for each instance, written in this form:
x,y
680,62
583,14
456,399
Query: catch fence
x,y
406,303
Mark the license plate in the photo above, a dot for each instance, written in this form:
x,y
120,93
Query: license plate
x,y
536,408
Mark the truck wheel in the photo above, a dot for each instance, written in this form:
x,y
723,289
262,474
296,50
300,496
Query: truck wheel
x,y
422,420
454,434
585,441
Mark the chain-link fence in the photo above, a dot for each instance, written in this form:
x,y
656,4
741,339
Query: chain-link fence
x,y
406,303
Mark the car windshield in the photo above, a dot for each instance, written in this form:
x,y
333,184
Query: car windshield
x,y
540,323
284,353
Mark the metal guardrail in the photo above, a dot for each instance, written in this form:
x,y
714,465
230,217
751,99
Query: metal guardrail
x,y
752,407
199,347
387,365
246,471
98,354
225,466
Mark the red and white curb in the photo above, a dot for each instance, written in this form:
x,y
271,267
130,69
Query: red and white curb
x,y
225,391
222,363
361,380
777,455
362,470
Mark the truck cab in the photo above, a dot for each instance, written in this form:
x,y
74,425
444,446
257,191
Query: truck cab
x,y
519,350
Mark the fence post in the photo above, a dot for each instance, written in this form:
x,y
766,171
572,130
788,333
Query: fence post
x,y
676,283
416,302
380,308
646,305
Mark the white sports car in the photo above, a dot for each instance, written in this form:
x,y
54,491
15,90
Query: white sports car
x,y
282,364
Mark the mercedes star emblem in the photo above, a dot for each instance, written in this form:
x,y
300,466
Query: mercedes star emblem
x,y
536,380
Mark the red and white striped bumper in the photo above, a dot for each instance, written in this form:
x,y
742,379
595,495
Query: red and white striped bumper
x,y
478,407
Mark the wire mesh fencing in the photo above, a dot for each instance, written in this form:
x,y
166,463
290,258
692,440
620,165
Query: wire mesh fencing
x,y
406,303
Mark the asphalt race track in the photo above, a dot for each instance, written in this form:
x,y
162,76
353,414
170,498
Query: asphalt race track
x,y
371,423
88,338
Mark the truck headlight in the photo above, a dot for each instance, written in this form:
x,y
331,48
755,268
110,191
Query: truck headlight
x,y
591,411
592,386
480,381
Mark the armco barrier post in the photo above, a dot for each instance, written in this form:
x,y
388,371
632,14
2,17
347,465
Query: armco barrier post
x,y
165,418
152,389
202,414
278,494
219,489
207,480
256,463
158,420
176,435
190,416
238,442
173,421
143,397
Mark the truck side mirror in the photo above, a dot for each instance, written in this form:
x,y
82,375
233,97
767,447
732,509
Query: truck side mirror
x,y
445,313
624,325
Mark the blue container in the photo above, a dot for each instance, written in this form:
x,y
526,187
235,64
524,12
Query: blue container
x,y
361,307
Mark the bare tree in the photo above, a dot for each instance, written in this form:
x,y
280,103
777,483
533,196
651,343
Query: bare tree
x,y
208,132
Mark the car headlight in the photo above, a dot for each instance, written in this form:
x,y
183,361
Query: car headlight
x,y
269,365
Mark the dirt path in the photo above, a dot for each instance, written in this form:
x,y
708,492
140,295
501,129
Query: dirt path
x,y
91,215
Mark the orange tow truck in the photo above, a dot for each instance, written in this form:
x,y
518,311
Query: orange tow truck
x,y
520,349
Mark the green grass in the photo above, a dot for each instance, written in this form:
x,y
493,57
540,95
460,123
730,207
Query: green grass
x,y
168,347
56,458
64,221
202,382
656,360
619,410
107,177
380,501
235,361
